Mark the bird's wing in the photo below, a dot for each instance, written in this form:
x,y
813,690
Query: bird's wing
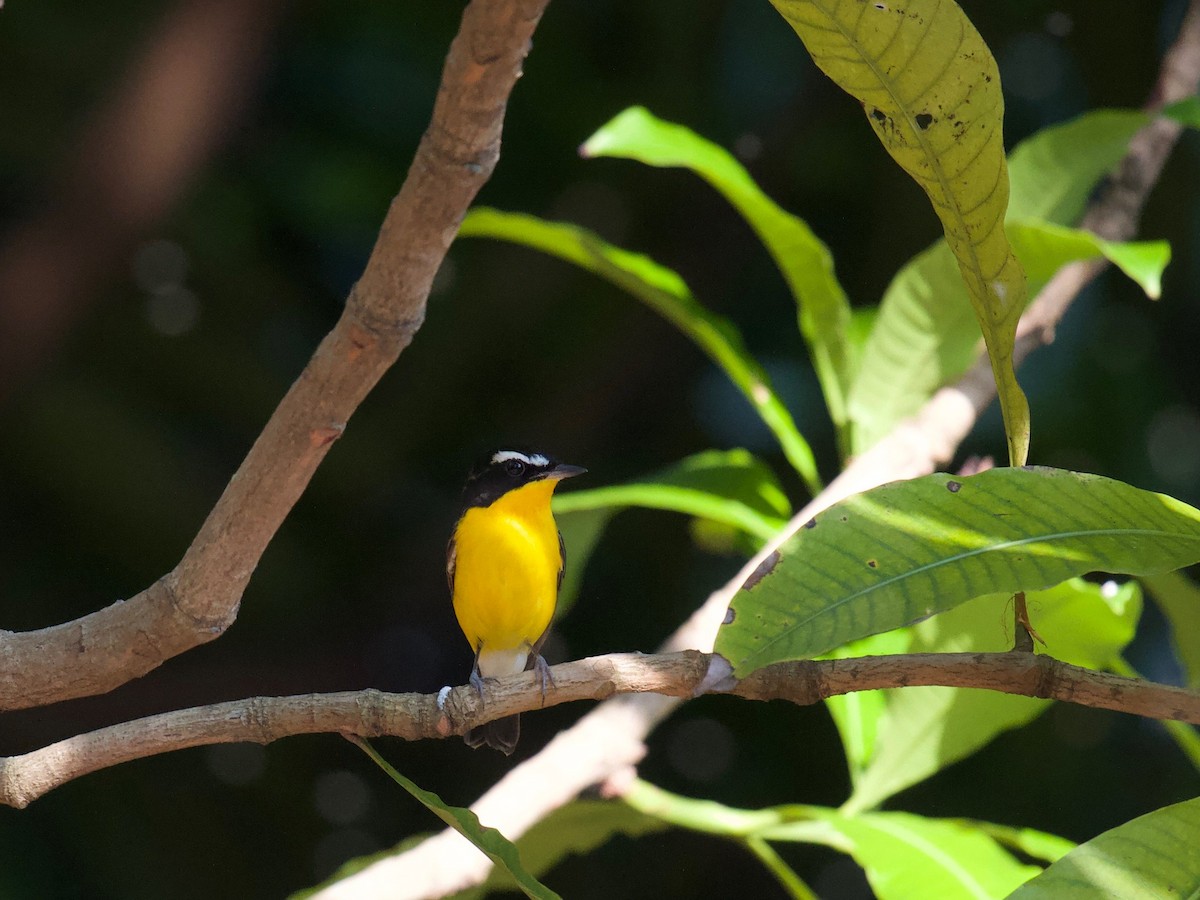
x,y
452,561
562,559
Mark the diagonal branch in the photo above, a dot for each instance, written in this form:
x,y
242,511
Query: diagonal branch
x,y
199,599
682,675
609,738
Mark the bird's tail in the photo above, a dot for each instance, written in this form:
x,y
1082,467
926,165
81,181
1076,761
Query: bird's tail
x,y
501,734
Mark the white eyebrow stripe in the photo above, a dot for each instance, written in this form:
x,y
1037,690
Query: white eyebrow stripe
x,y
535,459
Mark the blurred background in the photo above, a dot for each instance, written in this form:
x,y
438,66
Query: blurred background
x,y
187,192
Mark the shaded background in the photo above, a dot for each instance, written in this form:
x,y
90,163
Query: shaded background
x,y
187,192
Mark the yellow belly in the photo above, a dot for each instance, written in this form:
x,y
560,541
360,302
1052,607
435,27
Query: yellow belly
x,y
506,572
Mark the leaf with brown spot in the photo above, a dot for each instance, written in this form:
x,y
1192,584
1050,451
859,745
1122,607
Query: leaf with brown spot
x,y
901,60
1004,530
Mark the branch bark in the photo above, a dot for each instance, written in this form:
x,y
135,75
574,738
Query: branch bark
x,y
609,738
681,675
199,599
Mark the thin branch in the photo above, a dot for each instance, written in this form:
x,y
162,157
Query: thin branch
x,y
680,675
199,599
609,738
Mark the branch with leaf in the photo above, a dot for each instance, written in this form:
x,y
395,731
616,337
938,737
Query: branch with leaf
x,y
855,576
910,395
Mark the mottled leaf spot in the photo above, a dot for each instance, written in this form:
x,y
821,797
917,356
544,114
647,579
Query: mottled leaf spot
x,y
953,486
874,564
811,523
924,120
878,115
764,568
730,615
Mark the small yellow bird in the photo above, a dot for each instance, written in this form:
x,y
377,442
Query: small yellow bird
x,y
505,566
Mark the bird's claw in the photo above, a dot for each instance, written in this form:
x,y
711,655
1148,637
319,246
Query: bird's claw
x,y
476,681
542,669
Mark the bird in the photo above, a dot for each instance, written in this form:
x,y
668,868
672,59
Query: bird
x,y
504,564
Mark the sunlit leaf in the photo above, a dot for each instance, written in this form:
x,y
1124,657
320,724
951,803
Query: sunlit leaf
x,y
1044,247
904,855
924,729
1155,855
806,264
892,555
908,856
729,487
857,714
926,335
1033,843
666,293
931,92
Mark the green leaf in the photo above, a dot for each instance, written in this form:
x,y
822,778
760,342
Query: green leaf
x,y
499,849
581,531
666,293
857,714
1156,855
904,855
742,825
1044,247
931,92
571,830
1033,843
804,261
908,856
708,816
925,335
1179,599
895,554
1054,172
728,486
1185,111
924,729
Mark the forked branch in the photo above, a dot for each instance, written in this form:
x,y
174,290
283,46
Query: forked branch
x,y
199,599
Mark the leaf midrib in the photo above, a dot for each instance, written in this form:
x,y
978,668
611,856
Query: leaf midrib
x,y
935,162
977,551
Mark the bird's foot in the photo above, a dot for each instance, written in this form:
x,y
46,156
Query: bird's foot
x,y
477,681
541,668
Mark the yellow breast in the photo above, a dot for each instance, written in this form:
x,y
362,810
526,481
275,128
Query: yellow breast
x,y
507,562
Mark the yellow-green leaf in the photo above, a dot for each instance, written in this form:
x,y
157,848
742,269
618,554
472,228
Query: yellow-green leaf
x,y
931,91
1156,855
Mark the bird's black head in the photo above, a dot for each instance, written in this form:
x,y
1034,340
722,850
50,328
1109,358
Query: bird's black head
x,y
504,470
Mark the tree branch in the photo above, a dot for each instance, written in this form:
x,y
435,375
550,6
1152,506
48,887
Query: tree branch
x,y
199,599
609,738
681,675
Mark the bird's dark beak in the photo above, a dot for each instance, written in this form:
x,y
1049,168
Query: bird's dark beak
x,y
562,470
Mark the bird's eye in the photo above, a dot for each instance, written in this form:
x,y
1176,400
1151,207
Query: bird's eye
x,y
515,468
